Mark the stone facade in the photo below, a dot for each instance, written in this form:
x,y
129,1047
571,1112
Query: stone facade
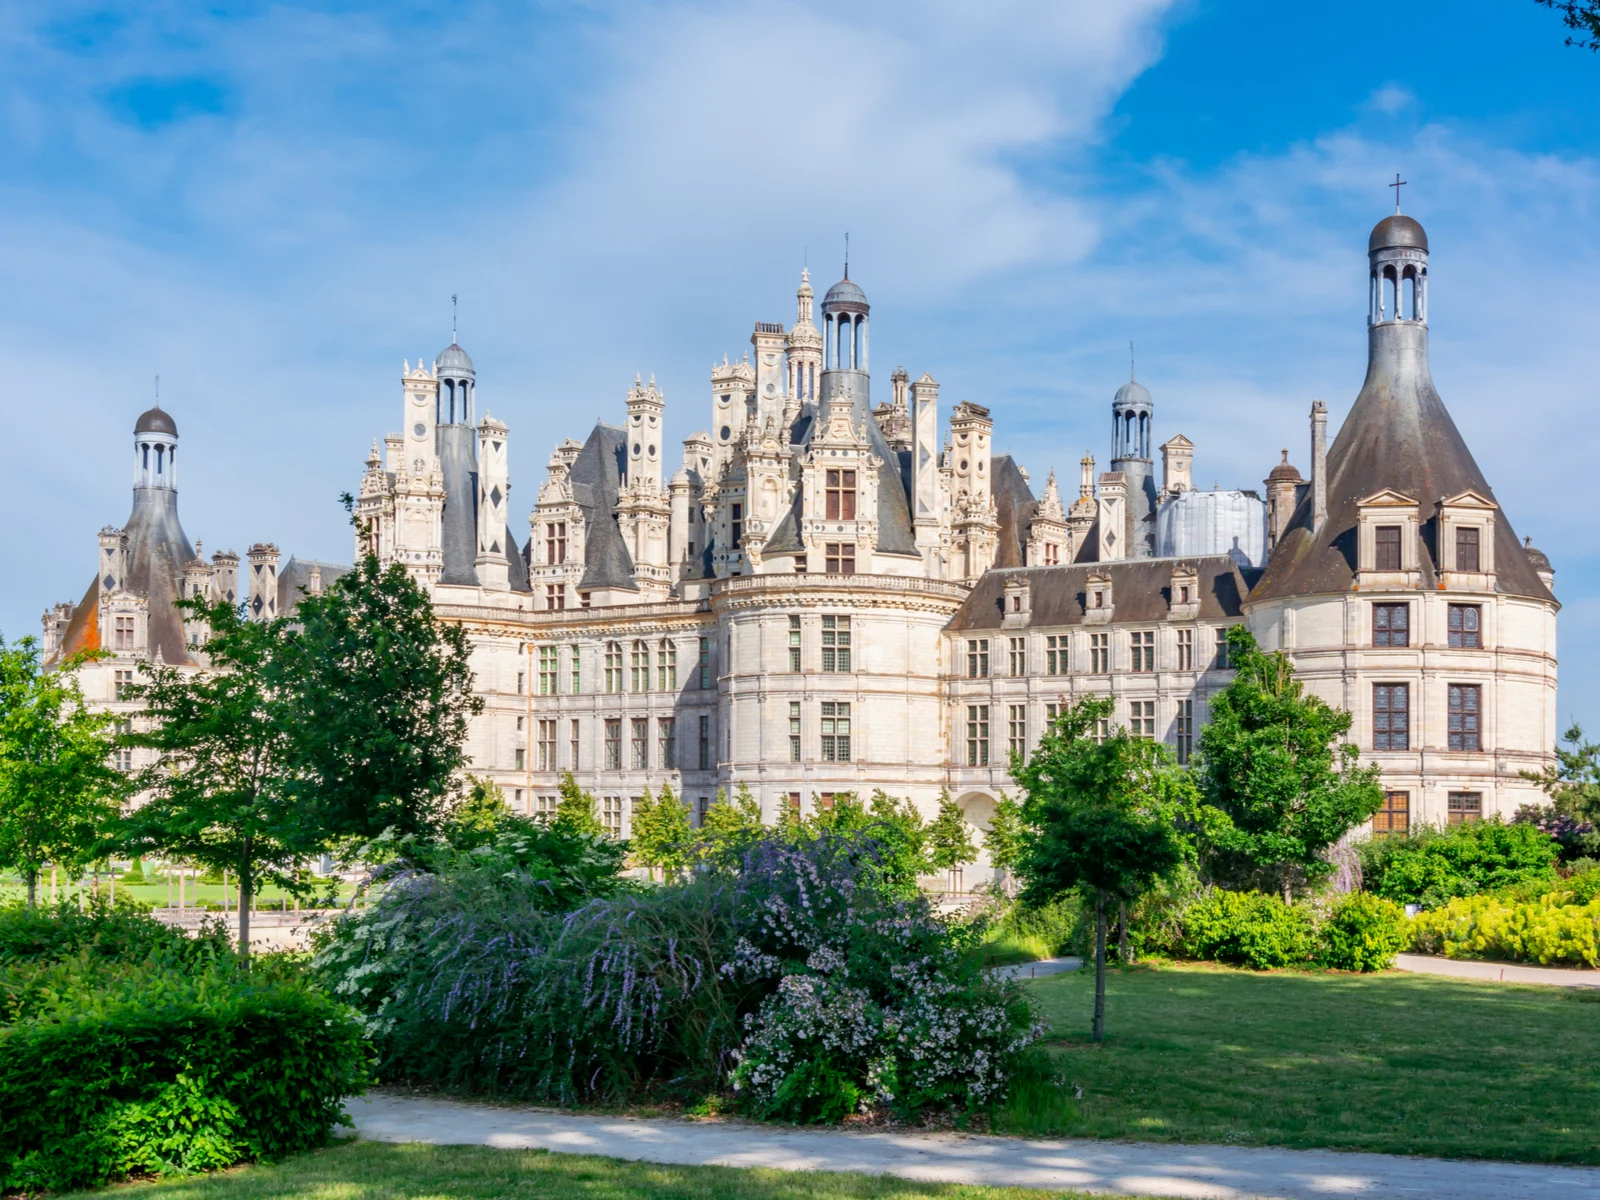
x,y
822,598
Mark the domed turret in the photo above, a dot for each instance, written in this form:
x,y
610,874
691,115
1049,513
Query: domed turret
x,y
457,385
1398,253
1398,231
155,450
156,420
844,326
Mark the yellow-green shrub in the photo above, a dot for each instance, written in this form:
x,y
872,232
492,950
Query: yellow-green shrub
x,y
1544,930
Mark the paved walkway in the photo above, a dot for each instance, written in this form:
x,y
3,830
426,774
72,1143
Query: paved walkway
x,y
1428,964
1039,969
1112,1168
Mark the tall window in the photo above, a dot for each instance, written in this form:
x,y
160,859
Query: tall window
x,y
1464,807
613,666
124,633
574,744
705,662
1185,649
555,596
641,666
977,735
548,666
522,681
702,807
124,681
836,644
611,815
1142,719
794,644
1465,621
1467,550
547,745
840,558
1391,716
640,744
555,542
1143,645
794,731
738,524
1100,653
1017,728
1052,554
577,674
1055,655
1051,712
1391,624
1019,656
1102,730
835,731
1183,731
123,755
1224,659
978,658
1388,547
613,743
1394,816
519,759
545,808
1466,701
667,666
666,742
703,757
841,496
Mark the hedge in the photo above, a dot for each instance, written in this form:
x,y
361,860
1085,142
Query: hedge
x,y
111,1069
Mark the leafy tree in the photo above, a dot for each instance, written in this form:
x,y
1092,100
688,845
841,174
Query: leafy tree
x,y
57,786
1573,782
1580,16
730,828
478,815
382,693
223,791
660,835
575,809
1280,785
1099,817
949,836
1003,838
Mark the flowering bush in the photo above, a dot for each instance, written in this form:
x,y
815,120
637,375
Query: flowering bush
x,y
1547,930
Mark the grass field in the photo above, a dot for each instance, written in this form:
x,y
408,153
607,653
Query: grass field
x,y
377,1171
1405,1064
156,894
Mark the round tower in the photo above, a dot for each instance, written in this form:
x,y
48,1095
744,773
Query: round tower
x,y
155,450
844,344
1132,418
457,385
805,347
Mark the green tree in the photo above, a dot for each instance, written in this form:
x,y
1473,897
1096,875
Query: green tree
x,y
895,827
1099,817
382,693
223,792
478,815
1280,784
575,809
1580,16
660,835
1573,781
1003,839
57,786
730,828
949,837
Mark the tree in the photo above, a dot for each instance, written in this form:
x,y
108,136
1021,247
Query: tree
x,y
949,836
223,791
730,828
575,809
382,693
57,785
1573,782
1580,16
478,815
1280,785
1099,817
1003,839
660,833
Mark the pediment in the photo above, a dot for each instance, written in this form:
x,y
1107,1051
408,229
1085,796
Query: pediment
x,y
1387,498
1468,499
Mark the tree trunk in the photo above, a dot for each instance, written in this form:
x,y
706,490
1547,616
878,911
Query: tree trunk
x,y
1099,966
1122,933
33,887
244,907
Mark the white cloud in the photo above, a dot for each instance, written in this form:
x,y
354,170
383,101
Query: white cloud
x,y
1390,100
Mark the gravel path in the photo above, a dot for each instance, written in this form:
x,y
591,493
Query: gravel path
x,y
1113,1168
1427,964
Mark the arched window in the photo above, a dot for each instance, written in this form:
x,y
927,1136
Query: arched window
x,y
667,666
145,446
1409,284
1388,304
613,666
159,449
641,666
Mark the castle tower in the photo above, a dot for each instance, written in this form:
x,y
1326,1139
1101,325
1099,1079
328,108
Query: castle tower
x,y
805,348
925,464
644,510
225,576
646,409
733,402
457,440
975,524
155,451
1132,417
767,349
844,346
494,497
263,604
1283,484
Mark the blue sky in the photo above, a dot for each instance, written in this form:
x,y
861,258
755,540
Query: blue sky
x,y
270,205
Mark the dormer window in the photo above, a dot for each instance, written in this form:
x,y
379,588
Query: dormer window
x,y
1099,599
840,499
1466,548
1386,541
1389,543
1466,541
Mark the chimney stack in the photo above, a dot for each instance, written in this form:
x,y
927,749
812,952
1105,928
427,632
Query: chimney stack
x,y
1319,465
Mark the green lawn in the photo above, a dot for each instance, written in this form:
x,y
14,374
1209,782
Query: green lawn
x,y
1407,1064
156,894
377,1171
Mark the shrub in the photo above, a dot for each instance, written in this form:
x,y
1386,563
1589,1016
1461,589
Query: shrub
x,y
1431,866
111,1068
1251,929
1545,931
1363,933
1022,934
124,932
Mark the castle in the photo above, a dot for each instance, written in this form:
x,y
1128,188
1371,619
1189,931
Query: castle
x,y
825,598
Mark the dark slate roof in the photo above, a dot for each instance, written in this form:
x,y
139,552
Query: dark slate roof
x,y
518,556
293,578
596,479
458,457
1140,589
453,359
1398,435
155,420
785,535
1015,501
157,551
